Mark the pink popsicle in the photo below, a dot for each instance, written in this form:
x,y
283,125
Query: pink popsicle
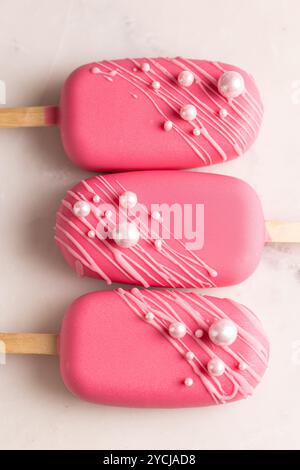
x,y
160,349
162,228
139,114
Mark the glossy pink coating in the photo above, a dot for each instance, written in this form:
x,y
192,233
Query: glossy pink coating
x,y
111,354
196,229
112,115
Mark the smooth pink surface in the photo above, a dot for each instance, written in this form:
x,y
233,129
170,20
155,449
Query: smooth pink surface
x,y
114,122
109,354
234,232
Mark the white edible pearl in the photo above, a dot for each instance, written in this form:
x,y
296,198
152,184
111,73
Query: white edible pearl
x,y
91,234
185,78
223,332
216,367
168,125
242,366
189,356
96,198
156,215
128,200
81,209
126,234
145,67
231,84
158,244
188,381
149,316
188,112
108,214
95,70
155,85
199,333
177,330
196,131
223,113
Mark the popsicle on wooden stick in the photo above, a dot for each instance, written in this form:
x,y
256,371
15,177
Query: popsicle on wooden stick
x,y
156,349
147,113
166,228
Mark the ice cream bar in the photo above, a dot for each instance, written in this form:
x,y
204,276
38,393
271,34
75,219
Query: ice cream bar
x,y
165,228
155,349
139,114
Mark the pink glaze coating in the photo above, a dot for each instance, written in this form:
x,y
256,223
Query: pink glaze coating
x,y
111,354
231,230
112,115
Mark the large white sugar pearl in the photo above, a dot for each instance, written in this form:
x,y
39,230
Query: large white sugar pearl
x,y
185,78
177,330
81,209
126,234
216,367
223,332
188,112
231,84
128,200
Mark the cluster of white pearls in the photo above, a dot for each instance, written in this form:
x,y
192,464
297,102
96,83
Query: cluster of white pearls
x,y
231,84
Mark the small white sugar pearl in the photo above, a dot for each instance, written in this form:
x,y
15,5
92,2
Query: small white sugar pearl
x,y
168,125
155,85
223,113
188,382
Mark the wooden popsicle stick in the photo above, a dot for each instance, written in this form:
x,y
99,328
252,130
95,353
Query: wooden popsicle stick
x,y
29,343
283,232
35,116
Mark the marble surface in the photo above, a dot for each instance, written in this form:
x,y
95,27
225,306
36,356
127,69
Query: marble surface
x,y
40,43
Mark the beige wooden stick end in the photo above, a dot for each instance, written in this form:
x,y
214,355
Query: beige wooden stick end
x,y
29,343
34,116
283,232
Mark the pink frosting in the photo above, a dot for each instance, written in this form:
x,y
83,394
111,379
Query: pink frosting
x,y
232,228
109,352
113,113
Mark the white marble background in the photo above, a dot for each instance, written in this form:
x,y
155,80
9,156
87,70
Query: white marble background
x,y
40,43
